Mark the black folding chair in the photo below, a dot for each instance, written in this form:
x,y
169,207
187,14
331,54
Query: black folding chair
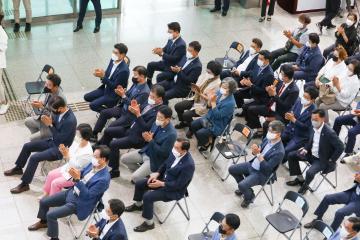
x,y
37,87
231,149
324,175
95,214
322,228
228,62
283,221
206,234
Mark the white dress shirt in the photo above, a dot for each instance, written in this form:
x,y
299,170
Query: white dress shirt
x,y
316,141
114,68
330,70
349,86
107,228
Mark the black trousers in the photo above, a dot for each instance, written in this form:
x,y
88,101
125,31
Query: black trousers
x,y
240,95
166,73
105,115
252,115
270,10
184,113
82,12
332,8
225,7
281,56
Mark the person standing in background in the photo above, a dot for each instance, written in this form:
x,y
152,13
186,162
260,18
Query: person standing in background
x,y
27,6
331,9
82,12
225,7
264,4
4,106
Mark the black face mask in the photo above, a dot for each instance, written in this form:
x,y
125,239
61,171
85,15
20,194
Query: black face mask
x,y
335,58
221,230
46,90
134,80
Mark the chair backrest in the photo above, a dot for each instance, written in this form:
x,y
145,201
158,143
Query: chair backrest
x,y
216,217
48,69
299,200
245,131
323,228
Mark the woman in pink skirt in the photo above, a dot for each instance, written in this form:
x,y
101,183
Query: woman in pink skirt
x,y
77,156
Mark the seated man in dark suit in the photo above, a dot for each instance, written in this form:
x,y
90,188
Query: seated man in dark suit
x,y
297,131
62,125
159,141
116,74
186,73
112,229
348,230
351,199
139,91
282,98
171,54
81,199
254,82
309,61
256,172
242,64
167,184
322,151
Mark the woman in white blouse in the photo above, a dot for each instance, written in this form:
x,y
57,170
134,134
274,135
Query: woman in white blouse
x,y
77,156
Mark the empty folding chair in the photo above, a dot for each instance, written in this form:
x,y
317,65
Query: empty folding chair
x,y
322,228
206,233
228,62
231,149
177,203
36,87
283,221
324,175
95,214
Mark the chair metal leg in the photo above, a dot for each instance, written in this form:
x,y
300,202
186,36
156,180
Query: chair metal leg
x,y
324,177
73,230
264,231
187,213
177,203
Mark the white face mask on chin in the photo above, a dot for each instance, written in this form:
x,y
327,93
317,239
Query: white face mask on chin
x,y
114,57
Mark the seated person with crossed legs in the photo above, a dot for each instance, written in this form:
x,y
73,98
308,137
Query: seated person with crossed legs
x,y
167,184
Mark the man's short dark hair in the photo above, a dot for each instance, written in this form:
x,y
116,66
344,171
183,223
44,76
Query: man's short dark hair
x,y
320,112
141,70
57,102
104,151
195,45
185,143
166,111
232,220
214,67
277,126
158,90
312,91
314,38
117,206
85,131
266,54
122,48
54,78
356,223
257,42
287,70
175,26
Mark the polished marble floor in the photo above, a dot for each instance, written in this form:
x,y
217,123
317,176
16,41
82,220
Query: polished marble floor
x,y
143,26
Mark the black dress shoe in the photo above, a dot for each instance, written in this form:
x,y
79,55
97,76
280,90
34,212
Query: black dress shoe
x,y
180,125
342,160
114,173
310,224
77,28
295,182
189,134
28,27
330,26
304,188
96,29
20,188
215,10
133,207
204,148
223,13
16,27
144,227
14,171
238,193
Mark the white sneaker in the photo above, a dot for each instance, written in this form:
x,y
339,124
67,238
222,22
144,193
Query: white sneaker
x,y
4,108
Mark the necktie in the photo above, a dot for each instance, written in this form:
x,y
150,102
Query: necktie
x,y
272,103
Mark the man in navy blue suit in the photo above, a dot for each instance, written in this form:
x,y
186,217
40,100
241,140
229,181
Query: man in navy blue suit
x,y
113,228
116,74
267,158
298,130
351,199
139,91
171,54
167,184
62,125
81,199
186,73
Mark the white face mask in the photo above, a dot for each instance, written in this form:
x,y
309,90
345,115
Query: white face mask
x,y
316,124
252,51
159,122
301,25
176,153
189,55
270,136
209,75
308,44
260,63
114,57
170,36
223,91
305,101
343,233
349,73
349,22
151,101
77,138
94,162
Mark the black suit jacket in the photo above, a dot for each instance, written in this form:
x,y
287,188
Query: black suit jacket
x,y
63,132
174,52
188,75
285,102
260,81
330,146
